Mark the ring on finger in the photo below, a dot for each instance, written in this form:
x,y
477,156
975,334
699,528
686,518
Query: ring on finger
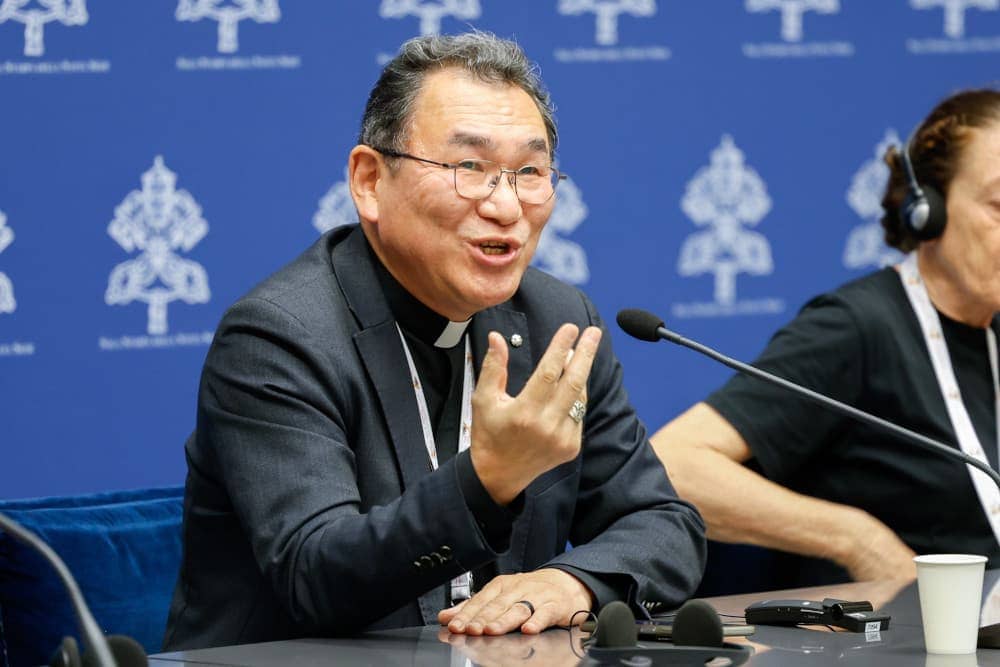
x,y
531,607
577,411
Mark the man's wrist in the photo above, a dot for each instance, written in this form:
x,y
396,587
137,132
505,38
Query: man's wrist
x,y
578,592
500,485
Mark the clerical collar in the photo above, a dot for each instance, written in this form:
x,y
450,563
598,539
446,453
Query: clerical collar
x,y
413,316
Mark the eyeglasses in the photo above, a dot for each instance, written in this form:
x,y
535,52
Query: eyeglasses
x,y
477,179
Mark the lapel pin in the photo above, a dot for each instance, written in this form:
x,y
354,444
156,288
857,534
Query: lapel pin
x,y
516,340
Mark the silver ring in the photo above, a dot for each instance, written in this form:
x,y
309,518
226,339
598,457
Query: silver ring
x,y
577,411
531,607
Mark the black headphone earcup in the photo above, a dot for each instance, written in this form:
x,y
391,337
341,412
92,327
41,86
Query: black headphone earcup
x,y
925,214
697,624
937,215
67,654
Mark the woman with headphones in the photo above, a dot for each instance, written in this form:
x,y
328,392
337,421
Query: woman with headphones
x,y
915,344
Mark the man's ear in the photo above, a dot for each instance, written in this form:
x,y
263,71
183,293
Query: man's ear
x,y
364,169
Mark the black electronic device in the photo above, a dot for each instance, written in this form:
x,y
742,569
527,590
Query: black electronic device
x,y
697,635
785,612
853,616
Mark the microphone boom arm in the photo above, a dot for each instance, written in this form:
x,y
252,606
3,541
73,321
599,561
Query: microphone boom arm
x,y
833,404
91,633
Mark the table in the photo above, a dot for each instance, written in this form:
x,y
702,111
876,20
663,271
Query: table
x,y
901,644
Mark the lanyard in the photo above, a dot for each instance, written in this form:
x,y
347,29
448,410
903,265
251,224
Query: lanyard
x,y
930,325
461,586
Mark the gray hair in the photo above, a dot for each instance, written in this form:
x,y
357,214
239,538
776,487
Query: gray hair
x,y
481,54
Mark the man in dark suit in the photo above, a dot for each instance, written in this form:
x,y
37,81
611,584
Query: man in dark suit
x,y
350,471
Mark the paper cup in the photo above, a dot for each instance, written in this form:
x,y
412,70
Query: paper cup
x,y
951,588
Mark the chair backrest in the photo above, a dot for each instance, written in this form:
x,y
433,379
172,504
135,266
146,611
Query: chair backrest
x,y
123,548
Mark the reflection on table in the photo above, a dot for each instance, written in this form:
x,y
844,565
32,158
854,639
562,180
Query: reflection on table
x,y
902,644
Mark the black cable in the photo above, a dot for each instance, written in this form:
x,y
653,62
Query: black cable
x,y
583,643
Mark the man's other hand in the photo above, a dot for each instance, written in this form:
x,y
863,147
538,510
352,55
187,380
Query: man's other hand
x,y
554,596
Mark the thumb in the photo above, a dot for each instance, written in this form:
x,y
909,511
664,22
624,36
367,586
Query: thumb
x,y
493,374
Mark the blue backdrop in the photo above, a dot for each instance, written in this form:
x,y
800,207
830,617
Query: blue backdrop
x,y
161,157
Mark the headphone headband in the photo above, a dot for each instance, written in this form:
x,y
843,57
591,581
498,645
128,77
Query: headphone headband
x,y
911,175
923,211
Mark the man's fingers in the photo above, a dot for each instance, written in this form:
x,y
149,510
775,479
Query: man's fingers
x,y
544,617
515,617
445,615
493,374
573,386
484,620
551,366
470,610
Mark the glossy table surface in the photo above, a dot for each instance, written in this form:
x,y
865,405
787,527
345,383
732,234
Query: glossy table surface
x,y
901,644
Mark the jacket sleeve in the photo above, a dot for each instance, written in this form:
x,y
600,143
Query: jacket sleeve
x,y
629,522
275,419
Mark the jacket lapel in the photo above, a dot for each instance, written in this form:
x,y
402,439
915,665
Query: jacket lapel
x,y
507,323
381,351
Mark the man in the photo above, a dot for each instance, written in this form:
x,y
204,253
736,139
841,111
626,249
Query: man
x,y
349,472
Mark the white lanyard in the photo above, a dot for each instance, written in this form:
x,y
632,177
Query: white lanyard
x,y
930,324
461,586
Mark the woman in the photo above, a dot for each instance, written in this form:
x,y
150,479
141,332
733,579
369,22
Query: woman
x,y
818,484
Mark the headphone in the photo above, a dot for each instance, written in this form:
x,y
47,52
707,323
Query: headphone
x,y
923,212
697,638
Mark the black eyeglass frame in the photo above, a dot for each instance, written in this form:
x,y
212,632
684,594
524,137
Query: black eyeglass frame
x,y
454,166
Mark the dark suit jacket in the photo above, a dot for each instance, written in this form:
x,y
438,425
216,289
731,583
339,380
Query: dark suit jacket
x,y
311,507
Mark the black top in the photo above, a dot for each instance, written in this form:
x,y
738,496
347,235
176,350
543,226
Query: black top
x,y
862,345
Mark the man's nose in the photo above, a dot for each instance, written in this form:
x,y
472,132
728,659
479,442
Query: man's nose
x,y
502,205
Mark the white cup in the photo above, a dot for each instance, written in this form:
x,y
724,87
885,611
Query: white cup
x,y
951,588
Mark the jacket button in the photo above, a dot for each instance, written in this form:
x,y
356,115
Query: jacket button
x,y
426,561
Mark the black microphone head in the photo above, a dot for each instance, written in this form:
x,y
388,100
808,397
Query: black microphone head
x,y
615,626
126,651
697,624
640,324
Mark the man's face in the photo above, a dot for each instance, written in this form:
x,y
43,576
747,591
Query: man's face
x,y
459,256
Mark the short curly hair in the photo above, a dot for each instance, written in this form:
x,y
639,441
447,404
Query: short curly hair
x,y
935,151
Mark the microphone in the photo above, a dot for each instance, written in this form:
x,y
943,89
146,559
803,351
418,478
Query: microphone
x,y
646,326
697,638
127,652
98,653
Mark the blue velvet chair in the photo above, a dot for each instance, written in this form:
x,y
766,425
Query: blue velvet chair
x,y
124,550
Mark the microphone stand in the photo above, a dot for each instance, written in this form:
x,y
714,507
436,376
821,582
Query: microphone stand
x,y
833,404
639,324
93,638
